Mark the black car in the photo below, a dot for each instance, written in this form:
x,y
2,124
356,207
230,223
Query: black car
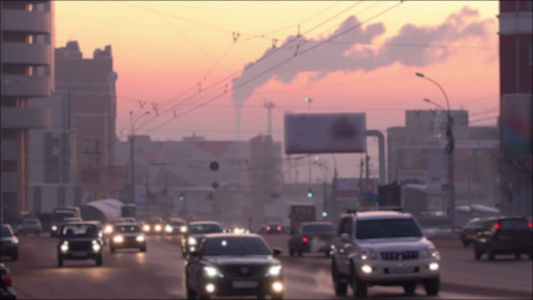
x,y
233,265
312,237
504,235
153,225
127,235
7,291
10,243
467,232
79,240
196,230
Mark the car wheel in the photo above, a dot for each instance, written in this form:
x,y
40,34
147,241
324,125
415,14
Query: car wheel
x,y
143,249
99,260
490,253
517,255
409,287
340,288
277,297
112,249
359,287
15,256
477,253
432,286
291,252
59,261
466,243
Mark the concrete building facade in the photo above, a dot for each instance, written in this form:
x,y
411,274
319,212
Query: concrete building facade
x,y
516,105
27,37
416,155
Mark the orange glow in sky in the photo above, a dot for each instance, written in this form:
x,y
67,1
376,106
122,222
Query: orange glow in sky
x,y
170,50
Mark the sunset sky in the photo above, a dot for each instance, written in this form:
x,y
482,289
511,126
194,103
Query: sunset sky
x,y
348,56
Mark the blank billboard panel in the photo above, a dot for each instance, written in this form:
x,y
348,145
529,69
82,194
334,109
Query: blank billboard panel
x,y
325,133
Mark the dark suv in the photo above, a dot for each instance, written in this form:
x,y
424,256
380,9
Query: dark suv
x,y
10,243
504,235
468,232
79,240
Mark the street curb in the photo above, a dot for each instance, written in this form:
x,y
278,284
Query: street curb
x,y
445,285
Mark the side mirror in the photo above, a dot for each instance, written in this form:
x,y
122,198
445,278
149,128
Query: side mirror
x,y
277,252
345,238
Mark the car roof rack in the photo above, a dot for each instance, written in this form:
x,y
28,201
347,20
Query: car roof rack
x,y
380,208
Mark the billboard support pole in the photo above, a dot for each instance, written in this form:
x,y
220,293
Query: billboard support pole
x,y
381,145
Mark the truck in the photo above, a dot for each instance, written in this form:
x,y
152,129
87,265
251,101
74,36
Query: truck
x,y
300,213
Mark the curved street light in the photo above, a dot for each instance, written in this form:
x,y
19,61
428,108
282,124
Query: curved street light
x,y
449,148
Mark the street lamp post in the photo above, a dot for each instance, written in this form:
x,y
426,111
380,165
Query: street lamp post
x,y
450,147
309,100
132,153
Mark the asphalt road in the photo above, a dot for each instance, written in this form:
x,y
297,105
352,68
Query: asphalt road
x,y
159,274
502,278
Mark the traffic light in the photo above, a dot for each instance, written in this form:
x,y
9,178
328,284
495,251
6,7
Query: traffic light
x,y
309,193
324,214
182,197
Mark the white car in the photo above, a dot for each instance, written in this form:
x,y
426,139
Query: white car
x,y
383,248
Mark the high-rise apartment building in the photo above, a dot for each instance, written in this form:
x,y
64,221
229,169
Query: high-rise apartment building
x,y
27,39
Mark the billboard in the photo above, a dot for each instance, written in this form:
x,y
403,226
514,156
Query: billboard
x,y
325,133
348,189
516,132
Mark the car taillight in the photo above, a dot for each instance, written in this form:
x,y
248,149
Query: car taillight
x,y
530,225
7,280
497,226
305,239
279,228
462,230
268,227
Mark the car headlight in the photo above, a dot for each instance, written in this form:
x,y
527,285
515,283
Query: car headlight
x,y
183,229
54,227
430,252
368,254
15,240
96,246
169,228
157,227
140,238
118,239
146,228
212,272
108,229
191,241
274,271
64,246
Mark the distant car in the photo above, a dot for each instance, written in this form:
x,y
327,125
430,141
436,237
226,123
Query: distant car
x,y
467,232
504,235
196,231
153,225
28,226
127,235
312,237
72,220
274,228
7,291
176,226
227,264
262,228
10,243
109,226
79,241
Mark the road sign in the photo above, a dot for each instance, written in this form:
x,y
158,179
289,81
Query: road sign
x,y
214,165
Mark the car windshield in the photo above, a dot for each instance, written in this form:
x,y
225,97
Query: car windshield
x,y
318,228
154,220
205,228
513,224
128,228
235,246
79,231
387,228
60,216
5,231
177,223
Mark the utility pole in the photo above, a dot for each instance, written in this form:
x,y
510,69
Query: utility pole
x,y
367,175
361,185
269,106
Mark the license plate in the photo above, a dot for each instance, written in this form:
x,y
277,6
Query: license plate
x,y
401,270
245,284
79,254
